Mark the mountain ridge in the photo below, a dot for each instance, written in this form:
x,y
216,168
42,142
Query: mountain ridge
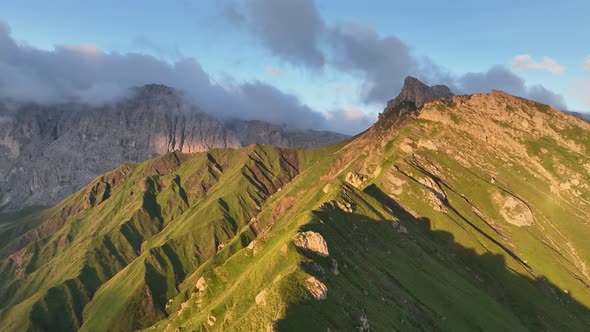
x,y
49,152
261,132
416,92
466,213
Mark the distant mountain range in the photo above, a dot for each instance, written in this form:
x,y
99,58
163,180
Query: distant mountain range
x,y
451,213
583,116
50,151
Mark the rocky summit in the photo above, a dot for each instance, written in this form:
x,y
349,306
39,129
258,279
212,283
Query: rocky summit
x,y
418,93
451,213
50,151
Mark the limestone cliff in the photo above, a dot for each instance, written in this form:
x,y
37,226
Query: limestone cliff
x,y
49,152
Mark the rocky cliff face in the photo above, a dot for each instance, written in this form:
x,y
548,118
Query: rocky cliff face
x,y
405,106
49,152
419,93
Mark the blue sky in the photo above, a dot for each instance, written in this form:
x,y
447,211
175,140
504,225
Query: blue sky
x,y
456,37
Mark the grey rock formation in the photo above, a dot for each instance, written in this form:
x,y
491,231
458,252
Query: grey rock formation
x,y
419,93
50,152
260,132
406,105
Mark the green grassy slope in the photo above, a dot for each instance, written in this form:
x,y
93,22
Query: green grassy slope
x,y
469,214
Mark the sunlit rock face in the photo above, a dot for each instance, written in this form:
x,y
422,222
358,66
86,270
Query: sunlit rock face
x,y
49,152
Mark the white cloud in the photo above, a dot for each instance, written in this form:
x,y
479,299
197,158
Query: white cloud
x,y
586,64
377,62
580,89
85,73
526,62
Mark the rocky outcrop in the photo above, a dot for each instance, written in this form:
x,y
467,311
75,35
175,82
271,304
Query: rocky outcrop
x,y
513,210
316,288
260,298
313,242
412,97
363,323
260,132
201,284
419,93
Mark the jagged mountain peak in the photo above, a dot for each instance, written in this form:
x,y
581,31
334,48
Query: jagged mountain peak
x,y
419,93
413,95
